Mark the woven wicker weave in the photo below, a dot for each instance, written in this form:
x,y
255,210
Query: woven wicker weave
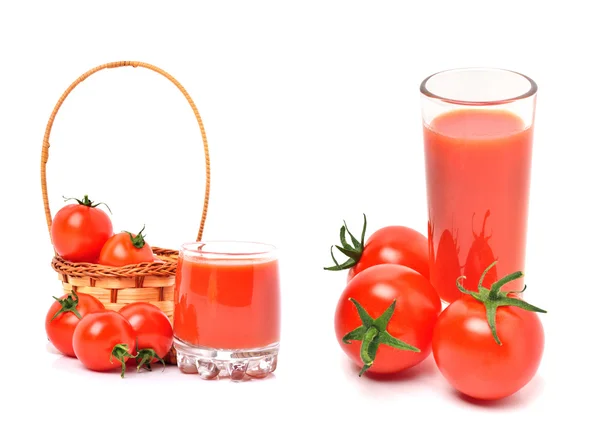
x,y
118,286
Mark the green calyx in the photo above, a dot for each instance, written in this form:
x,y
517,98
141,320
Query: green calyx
x,y
68,304
372,333
120,352
87,202
351,250
493,298
138,240
146,356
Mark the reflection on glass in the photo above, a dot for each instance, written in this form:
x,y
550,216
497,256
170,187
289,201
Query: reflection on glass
x,y
480,256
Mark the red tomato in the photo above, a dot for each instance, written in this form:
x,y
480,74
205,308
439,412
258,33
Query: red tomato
x,y
489,356
80,230
103,340
126,249
153,331
385,317
64,315
393,244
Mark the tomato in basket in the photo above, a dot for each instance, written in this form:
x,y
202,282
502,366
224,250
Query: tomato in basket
x,y
126,249
80,230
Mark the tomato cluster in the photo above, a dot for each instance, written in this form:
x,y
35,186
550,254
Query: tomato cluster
x,y
79,325
82,232
486,343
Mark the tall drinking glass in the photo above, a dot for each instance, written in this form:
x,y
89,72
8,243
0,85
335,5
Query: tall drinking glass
x,y
478,132
226,320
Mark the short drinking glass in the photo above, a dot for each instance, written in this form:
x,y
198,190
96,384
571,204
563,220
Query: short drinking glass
x,y
226,320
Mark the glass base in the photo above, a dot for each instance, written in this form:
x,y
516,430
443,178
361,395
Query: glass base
x,y
238,365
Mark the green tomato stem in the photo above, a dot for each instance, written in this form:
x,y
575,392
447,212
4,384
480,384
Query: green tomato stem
x,y
138,240
87,202
495,298
68,304
372,333
120,352
146,356
353,249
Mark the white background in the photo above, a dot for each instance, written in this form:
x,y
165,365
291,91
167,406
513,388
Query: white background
x,y
312,114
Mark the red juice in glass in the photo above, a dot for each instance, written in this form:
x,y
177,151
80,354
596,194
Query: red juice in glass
x,y
478,131
226,319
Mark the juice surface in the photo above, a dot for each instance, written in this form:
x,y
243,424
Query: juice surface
x,y
478,170
224,304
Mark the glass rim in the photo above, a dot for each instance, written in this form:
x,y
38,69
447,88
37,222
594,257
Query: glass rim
x,y
426,92
228,249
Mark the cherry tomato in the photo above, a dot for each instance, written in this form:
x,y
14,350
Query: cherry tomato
x,y
392,244
126,249
64,315
104,340
154,334
489,356
385,317
80,230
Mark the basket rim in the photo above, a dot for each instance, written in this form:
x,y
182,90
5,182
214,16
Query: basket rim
x,y
167,268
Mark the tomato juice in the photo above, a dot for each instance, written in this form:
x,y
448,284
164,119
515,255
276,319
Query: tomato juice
x,y
227,301
478,169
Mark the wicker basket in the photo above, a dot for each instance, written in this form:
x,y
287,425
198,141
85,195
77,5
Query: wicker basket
x,y
118,286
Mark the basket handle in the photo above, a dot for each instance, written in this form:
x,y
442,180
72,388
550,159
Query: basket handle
x,y
46,144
